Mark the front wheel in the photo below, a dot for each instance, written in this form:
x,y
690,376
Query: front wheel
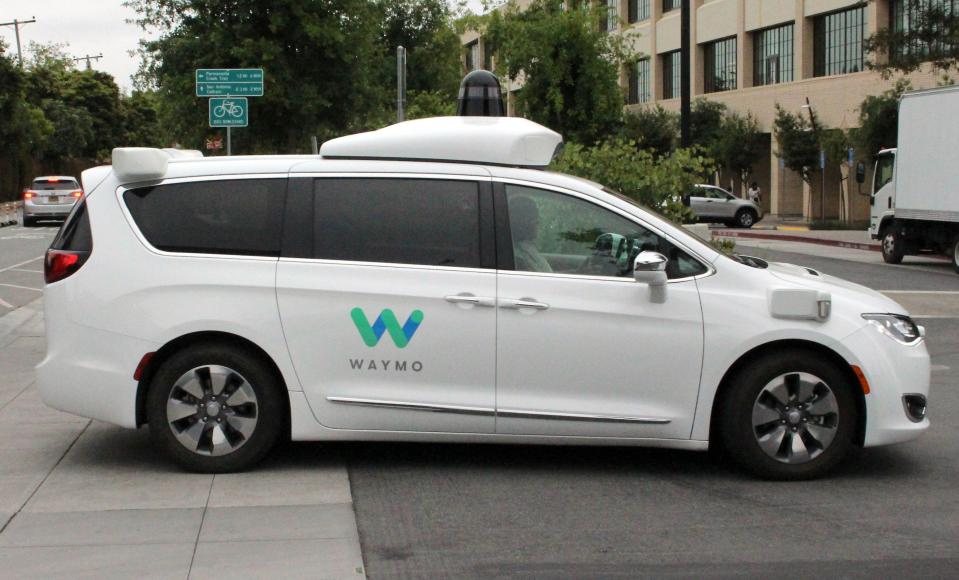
x,y
955,254
892,246
215,408
745,218
789,417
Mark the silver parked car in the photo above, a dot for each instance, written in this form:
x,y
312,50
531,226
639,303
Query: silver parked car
x,y
50,198
715,204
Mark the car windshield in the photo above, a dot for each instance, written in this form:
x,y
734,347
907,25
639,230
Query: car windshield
x,y
47,184
665,222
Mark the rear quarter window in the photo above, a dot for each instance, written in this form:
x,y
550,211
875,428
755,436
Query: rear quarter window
x,y
232,216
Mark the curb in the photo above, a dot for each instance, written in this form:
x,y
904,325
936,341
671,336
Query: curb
x,y
796,238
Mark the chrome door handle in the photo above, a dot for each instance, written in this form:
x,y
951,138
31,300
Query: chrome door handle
x,y
517,304
469,299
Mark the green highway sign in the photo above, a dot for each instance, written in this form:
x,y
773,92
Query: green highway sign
x,y
229,112
229,82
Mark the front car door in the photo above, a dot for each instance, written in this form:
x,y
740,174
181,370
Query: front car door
x,y
581,348
386,292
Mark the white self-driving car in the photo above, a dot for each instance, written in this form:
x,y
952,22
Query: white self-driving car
x,y
431,282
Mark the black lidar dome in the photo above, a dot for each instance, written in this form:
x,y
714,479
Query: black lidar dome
x,y
480,96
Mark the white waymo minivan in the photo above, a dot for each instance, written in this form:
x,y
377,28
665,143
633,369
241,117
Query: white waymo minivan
x,y
431,282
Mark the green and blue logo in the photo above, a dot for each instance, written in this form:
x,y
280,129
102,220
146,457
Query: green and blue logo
x,y
386,322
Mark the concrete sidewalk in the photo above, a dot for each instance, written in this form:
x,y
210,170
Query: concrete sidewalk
x,y
82,499
854,239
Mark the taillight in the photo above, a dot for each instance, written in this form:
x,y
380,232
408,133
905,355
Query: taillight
x,y
77,194
60,264
27,194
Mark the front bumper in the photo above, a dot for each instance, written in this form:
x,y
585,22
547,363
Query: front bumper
x,y
893,371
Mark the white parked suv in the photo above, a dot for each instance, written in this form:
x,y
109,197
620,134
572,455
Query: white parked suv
x,y
430,282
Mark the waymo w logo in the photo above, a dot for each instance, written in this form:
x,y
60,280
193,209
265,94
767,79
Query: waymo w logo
x,y
386,322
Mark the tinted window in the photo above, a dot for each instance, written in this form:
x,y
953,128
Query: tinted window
x,y
53,184
239,216
74,235
553,232
404,221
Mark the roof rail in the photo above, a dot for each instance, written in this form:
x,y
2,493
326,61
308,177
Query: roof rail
x,y
143,163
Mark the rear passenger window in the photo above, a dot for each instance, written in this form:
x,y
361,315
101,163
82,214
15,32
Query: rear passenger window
x,y
237,216
404,221
74,235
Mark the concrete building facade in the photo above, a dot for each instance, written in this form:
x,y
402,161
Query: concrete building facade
x,y
751,55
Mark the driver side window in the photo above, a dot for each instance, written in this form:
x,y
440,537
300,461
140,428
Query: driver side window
x,y
553,232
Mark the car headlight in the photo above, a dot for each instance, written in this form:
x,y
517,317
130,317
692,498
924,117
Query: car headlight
x,y
896,326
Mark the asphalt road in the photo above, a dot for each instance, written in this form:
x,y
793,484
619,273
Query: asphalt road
x,y
471,511
21,264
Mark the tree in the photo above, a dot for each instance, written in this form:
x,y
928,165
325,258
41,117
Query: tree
x,y
706,124
652,128
570,68
879,119
141,122
931,35
658,182
740,144
798,143
319,59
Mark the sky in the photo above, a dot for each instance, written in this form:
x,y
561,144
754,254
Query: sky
x,y
89,27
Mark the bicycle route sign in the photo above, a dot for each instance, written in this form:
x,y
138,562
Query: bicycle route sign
x,y
229,82
229,112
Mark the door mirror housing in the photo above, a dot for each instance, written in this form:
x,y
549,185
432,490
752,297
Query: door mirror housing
x,y
860,172
650,269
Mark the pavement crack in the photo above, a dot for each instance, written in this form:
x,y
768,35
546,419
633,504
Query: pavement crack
x,y
196,543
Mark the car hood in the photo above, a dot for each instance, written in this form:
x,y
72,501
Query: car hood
x,y
844,293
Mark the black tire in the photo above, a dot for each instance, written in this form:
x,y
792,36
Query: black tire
x,y
269,408
740,439
955,254
29,222
745,218
892,244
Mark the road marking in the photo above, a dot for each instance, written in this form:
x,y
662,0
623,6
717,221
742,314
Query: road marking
x,y
25,270
6,304
24,263
936,368
22,287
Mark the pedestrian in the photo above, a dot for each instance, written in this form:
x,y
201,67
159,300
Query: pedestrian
x,y
753,193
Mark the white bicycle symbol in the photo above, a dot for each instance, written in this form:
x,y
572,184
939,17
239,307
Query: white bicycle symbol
x,y
230,108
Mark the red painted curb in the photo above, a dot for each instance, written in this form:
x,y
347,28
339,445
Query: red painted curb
x,y
794,238
820,241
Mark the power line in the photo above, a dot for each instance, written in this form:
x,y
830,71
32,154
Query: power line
x,y
16,24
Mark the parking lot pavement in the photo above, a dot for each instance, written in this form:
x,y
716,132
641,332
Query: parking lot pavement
x,y
21,264
83,499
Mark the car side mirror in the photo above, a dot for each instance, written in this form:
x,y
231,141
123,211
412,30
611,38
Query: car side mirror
x,y
860,172
650,268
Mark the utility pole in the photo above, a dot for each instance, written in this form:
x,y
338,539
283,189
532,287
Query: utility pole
x,y
16,24
400,84
684,83
88,58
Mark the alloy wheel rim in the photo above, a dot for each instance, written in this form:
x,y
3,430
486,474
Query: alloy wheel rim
x,y
747,219
888,243
795,418
955,254
212,410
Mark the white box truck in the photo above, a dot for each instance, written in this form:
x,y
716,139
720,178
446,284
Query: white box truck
x,y
915,191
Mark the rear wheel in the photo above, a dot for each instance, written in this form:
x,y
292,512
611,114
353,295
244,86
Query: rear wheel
x,y
893,246
791,416
29,222
745,218
214,408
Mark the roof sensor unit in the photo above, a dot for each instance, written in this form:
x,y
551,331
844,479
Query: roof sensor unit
x,y
480,96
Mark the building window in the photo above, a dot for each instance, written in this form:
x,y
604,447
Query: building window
x,y
720,61
672,5
925,15
611,22
639,10
639,83
672,74
473,55
773,56
838,42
